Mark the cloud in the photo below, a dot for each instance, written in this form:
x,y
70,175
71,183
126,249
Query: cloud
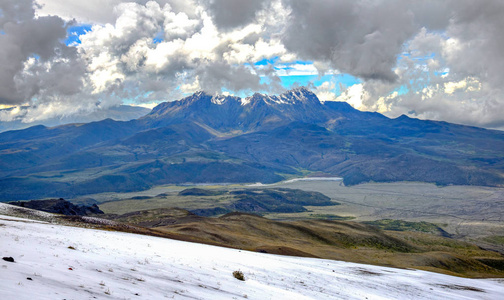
x,y
228,14
325,92
356,37
101,11
191,50
431,59
35,64
354,95
476,42
467,85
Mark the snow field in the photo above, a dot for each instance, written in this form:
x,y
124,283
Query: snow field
x,y
114,265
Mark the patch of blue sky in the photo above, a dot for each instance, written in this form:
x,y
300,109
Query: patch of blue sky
x,y
159,38
442,73
402,90
290,81
74,33
274,60
301,62
267,61
302,73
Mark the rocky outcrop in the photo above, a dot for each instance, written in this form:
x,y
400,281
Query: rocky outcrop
x,y
59,206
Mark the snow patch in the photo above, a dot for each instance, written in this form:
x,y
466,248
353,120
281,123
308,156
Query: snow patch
x,y
219,99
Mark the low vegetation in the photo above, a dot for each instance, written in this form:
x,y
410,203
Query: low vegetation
x,y
340,240
400,225
215,202
266,201
496,239
239,275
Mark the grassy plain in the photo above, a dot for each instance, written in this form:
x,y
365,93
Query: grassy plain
x,y
470,213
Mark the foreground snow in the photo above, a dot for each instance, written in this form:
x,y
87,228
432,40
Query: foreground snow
x,y
112,265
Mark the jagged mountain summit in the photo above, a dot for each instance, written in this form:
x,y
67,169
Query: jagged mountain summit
x,y
215,138
255,112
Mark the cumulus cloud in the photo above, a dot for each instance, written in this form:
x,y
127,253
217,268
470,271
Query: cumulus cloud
x,y
430,59
35,64
191,51
448,69
361,38
233,13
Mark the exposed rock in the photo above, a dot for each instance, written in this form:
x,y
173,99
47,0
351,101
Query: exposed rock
x,y
59,206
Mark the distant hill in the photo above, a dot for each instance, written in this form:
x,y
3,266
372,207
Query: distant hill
x,y
118,113
208,138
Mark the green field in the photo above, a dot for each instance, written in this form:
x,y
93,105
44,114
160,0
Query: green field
x,y
469,213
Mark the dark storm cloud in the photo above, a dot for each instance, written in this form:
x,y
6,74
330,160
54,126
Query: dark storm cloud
x,y
362,38
15,11
478,27
228,14
54,68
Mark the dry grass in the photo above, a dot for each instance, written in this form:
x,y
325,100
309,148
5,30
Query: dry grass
x,y
239,275
167,200
348,241
341,240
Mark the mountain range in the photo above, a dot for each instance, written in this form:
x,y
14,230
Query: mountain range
x,y
208,138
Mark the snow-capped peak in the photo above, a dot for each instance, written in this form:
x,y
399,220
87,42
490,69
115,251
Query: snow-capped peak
x,y
301,94
298,95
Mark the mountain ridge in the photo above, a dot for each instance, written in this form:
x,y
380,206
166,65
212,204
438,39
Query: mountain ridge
x,y
235,112
271,137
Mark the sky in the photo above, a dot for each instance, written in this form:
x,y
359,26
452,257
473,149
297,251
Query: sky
x,y
428,59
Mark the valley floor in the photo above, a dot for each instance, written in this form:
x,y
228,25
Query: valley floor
x,y
62,262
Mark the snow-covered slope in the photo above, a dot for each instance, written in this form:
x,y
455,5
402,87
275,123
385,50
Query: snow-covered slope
x,y
61,262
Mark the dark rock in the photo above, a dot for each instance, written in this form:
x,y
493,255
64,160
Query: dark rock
x,y
9,259
59,206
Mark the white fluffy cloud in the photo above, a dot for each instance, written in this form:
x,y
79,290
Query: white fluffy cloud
x,y
191,52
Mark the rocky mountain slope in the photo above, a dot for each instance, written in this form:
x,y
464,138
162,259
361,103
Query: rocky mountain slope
x,y
208,138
